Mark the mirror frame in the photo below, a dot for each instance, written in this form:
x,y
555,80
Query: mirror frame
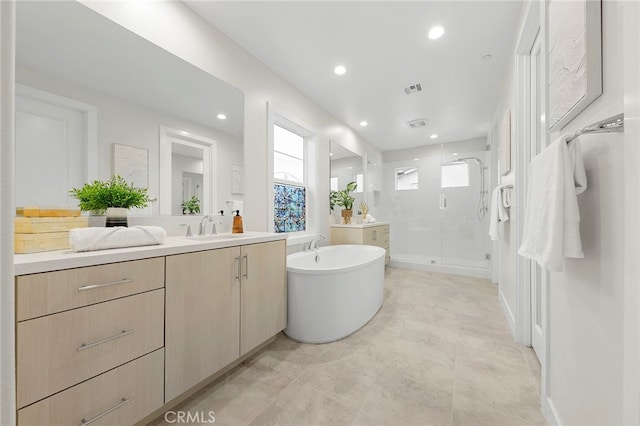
x,y
210,157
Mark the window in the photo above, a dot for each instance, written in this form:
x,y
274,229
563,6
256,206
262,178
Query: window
x,y
334,183
406,178
454,175
288,155
360,181
289,175
289,208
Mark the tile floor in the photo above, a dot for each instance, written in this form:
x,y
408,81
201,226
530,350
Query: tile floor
x,y
438,352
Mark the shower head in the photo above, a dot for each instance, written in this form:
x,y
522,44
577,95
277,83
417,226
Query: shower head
x,y
467,159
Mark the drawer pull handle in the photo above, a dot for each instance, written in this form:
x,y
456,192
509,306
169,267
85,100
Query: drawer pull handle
x,y
122,402
246,266
94,286
238,273
108,339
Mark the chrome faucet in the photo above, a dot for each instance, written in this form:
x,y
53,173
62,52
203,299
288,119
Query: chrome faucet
x,y
203,224
214,230
314,244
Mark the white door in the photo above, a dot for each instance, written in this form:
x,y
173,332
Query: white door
x,y
537,276
50,153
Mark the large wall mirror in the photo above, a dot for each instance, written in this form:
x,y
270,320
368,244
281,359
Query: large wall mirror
x,y
346,166
86,84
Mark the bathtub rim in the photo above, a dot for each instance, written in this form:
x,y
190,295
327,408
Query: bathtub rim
x,y
335,270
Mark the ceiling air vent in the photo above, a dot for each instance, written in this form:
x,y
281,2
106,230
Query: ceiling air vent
x,y
413,88
420,122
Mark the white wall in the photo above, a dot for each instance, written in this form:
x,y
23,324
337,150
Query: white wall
x,y
197,42
7,212
586,308
587,298
122,122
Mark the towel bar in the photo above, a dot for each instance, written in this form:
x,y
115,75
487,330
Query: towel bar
x,y
611,124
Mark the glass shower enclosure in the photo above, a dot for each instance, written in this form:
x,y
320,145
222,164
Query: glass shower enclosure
x,y
437,203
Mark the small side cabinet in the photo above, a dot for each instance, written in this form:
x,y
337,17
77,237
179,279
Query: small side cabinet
x,y
369,234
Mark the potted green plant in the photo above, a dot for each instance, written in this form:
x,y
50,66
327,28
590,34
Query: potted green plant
x,y
191,206
114,196
343,198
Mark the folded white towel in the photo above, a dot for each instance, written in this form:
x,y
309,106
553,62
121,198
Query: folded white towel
x,y
552,218
500,202
88,239
369,219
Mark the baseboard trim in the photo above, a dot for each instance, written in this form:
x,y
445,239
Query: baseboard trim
x,y
511,319
464,271
550,412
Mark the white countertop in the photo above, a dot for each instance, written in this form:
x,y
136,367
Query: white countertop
x,y
359,225
65,259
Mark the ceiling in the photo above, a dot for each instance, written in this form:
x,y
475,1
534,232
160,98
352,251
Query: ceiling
x,y
384,46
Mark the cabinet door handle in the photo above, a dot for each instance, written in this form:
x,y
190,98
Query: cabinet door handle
x,y
246,266
375,235
238,272
85,346
122,402
109,284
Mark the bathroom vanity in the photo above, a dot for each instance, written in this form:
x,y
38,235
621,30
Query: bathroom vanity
x,y
372,234
123,334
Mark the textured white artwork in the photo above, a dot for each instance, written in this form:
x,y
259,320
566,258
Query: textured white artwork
x,y
505,143
575,65
132,164
237,179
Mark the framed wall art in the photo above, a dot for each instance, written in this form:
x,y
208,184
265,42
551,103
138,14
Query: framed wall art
x,y
574,58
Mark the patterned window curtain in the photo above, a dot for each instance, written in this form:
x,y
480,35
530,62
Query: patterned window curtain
x,y
290,208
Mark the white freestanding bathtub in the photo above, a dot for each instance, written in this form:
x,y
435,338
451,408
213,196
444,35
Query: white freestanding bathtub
x,y
333,291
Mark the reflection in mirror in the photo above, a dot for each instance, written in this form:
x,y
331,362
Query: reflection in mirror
x,y
406,178
346,167
134,88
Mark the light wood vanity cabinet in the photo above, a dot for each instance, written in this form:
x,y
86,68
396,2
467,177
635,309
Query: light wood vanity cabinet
x,y
372,235
263,307
112,344
71,364
203,316
221,304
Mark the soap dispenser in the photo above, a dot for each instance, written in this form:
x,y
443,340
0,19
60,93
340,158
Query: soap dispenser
x,y
237,223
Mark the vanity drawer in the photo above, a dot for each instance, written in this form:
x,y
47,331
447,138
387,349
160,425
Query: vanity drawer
x,y
122,396
52,292
61,350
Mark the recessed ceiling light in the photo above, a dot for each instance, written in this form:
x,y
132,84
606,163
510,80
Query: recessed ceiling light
x,y
350,167
339,70
436,32
331,154
363,123
455,153
416,159
434,136
221,116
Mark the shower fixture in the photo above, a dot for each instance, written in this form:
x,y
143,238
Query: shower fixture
x,y
482,203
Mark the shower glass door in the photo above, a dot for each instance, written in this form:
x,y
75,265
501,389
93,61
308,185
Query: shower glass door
x,y
464,205
432,225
